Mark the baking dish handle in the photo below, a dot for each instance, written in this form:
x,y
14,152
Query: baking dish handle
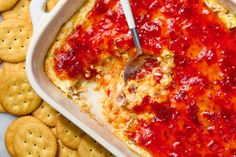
x,y
37,12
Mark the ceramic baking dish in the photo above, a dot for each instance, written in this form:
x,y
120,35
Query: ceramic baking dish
x,y
46,27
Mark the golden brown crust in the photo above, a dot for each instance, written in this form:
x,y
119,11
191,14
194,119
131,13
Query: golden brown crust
x,y
228,18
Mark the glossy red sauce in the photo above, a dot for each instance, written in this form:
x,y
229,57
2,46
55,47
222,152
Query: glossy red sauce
x,y
199,118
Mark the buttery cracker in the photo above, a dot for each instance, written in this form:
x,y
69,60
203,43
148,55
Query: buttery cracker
x,y
16,95
5,5
12,129
68,133
64,151
19,11
54,130
90,148
14,39
34,139
50,5
47,114
2,109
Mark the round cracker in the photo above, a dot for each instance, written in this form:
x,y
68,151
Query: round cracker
x,y
69,134
12,68
47,114
12,129
34,139
16,95
90,148
64,151
54,130
14,38
1,75
2,109
19,11
50,5
5,5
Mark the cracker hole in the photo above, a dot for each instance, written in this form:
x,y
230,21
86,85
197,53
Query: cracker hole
x,y
35,145
76,136
66,131
90,150
29,153
8,32
15,39
25,102
48,115
25,142
30,133
20,30
9,48
40,136
22,46
44,148
3,41
27,37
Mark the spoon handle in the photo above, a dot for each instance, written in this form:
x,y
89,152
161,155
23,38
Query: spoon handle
x,y
128,13
130,20
136,41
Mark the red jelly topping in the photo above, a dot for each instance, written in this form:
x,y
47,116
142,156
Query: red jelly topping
x,y
199,118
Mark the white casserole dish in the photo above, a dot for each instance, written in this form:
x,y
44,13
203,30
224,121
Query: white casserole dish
x,y
46,27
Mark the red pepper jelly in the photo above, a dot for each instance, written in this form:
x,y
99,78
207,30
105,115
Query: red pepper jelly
x,y
199,118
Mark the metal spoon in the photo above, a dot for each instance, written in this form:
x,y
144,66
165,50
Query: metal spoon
x,y
139,59
135,62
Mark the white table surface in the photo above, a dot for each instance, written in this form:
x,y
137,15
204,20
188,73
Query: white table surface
x,y
5,120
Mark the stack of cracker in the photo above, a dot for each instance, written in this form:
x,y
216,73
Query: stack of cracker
x,y
39,130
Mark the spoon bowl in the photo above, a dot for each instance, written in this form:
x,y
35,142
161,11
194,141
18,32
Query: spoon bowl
x,y
139,59
134,64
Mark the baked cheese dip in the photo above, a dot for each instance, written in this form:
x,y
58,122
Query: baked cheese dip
x,y
181,102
